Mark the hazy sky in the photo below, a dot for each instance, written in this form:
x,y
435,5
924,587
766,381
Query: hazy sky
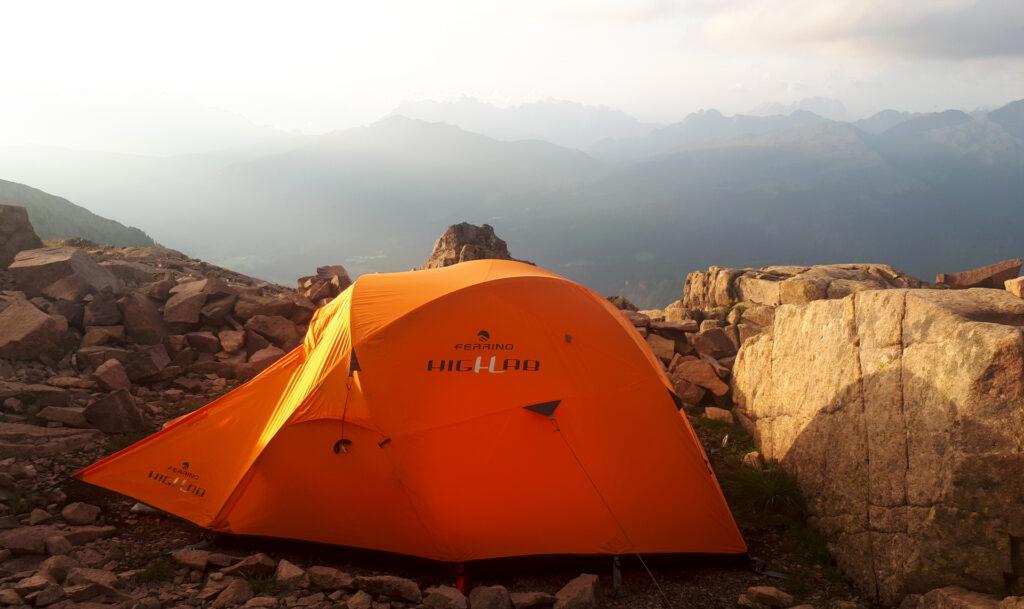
x,y
316,66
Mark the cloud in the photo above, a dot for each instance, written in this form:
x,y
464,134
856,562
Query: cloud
x,y
941,29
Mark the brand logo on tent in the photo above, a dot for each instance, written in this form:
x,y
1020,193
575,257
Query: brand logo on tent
x,y
483,335
180,478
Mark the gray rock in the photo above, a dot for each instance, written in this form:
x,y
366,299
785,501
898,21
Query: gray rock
x,y
769,596
143,322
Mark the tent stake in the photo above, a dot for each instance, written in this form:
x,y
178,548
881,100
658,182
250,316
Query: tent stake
x,y
616,576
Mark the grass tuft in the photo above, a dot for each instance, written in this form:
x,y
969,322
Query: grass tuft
x,y
770,495
158,570
264,585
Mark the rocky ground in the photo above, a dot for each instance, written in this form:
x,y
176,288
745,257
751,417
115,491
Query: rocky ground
x,y
100,346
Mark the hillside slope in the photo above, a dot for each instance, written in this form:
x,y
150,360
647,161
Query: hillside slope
x,y
57,218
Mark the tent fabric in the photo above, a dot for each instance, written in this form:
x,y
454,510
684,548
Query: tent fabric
x,y
488,409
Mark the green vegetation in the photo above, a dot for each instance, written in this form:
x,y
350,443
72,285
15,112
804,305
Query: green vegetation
x,y
53,217
264,585
21,501
158,570
771,495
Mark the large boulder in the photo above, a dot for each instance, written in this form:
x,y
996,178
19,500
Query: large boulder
x,y
21,441
775,285
465,241
989,276
16,233
28,333
66,273
115,413
143,322
900,413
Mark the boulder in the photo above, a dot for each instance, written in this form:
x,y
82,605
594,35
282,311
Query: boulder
x,y
146,363
663,348
111,376
90,358
26,540
323,287
490,597
398,588
280,331
184,308
203,342
899,413
462,242
687,391
249,305
1015,286
701,373
713,342
102,310
16,233
28,333
990,276
143,322
622,303
775,285
65,415
96,336
115,413
231,340
583,592
17,440
61,272
290,575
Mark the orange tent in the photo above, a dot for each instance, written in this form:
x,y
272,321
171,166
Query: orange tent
x,y
483,410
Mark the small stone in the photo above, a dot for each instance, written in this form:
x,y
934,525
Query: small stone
x,y
30,584
289,574
584,592
768,595
258,565
112,376
79,513
390,586
719,414
83,575
236,592
329,578
360,600
754,459
490,597
49,595
261,602
444,597
56,568
58,545
744,601
532,600
38,516
193,559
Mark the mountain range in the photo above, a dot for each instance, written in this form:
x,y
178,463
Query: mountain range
x,y
925,192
